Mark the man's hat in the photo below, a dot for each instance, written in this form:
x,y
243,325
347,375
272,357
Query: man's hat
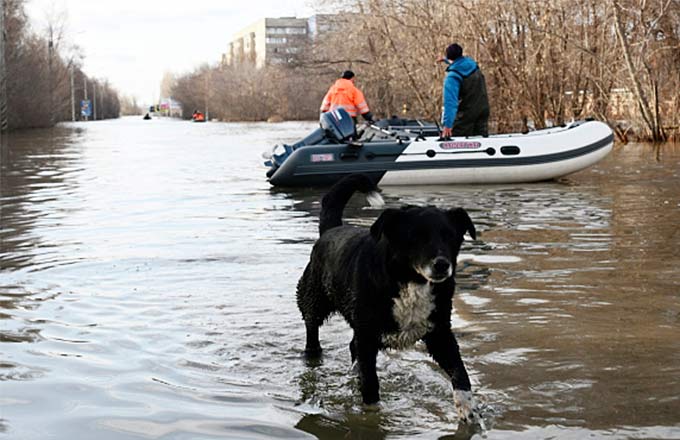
x,y
347,74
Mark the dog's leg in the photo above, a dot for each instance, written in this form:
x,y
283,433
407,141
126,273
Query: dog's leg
x,y
315,308
353,353
353,349
442,346
312,347
366,352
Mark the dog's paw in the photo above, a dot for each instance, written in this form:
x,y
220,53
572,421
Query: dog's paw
x,y
372,407
467,408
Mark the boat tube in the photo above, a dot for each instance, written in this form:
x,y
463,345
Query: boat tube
x,y
415,154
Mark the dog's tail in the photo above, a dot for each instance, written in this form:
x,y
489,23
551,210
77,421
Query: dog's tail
x,y
337,197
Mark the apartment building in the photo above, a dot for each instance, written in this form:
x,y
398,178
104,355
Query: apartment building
x,y
268,41
275,40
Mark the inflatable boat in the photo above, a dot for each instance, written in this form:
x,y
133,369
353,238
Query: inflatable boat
x,y
414,154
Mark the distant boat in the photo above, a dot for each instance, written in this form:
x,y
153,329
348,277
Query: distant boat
x,y
414,154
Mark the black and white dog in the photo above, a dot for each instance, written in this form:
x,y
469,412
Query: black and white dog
x,y
393,284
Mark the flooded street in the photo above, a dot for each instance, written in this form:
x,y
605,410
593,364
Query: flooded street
x,y
147,291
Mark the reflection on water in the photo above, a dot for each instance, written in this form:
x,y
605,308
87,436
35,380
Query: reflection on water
x,y
147,290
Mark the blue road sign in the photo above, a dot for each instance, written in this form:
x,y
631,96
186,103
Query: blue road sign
x,y
85,108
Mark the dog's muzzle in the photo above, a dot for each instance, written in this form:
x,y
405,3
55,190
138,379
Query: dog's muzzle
x,y
437,270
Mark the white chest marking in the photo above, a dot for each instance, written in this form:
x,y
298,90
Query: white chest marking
x,y
411,310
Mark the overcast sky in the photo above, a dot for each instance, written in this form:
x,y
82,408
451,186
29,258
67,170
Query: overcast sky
x,y
133,42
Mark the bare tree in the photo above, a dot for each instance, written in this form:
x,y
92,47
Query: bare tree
x,y
38,72
643,40
545,63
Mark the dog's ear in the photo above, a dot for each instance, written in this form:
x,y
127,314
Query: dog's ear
x,y
385,224
462,221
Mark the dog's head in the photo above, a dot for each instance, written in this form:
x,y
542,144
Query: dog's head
x,y
428,238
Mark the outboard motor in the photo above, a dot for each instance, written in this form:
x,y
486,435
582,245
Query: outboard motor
x,y
337,124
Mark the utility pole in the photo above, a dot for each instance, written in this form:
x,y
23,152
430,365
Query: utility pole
x,y
3,95
207,96
85,87
73,94
3,72
50,74
94,101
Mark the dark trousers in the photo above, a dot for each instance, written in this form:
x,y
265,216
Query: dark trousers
x,y
471,125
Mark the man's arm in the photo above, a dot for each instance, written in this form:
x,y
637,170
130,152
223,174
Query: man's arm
x,y
326,102
368,116
450,97
360,102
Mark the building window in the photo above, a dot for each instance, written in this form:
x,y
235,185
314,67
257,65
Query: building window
x,y
287,30
296,30
276,40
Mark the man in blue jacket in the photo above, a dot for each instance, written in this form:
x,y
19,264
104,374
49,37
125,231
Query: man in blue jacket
x,y
466,105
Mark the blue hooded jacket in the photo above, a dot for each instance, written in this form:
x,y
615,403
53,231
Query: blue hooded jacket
x,y
456,72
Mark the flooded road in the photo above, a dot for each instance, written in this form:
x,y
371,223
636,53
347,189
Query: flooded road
x,y
147,291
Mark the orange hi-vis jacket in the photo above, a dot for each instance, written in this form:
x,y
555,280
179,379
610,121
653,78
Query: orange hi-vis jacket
x,y
344,94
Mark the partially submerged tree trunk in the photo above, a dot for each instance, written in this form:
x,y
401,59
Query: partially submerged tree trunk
x,y
648,110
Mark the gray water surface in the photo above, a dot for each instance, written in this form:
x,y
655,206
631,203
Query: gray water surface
x,y
147,291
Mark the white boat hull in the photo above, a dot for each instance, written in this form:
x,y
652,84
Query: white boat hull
x,y
510,158
495,174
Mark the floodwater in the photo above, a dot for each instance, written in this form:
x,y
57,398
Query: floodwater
x,y
147,291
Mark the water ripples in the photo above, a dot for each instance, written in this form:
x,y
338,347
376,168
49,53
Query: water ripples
x,y
148,279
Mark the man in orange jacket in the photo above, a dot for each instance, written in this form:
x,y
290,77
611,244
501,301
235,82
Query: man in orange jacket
x,y
343,93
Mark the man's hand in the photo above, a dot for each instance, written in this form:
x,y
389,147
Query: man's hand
x,y
446,132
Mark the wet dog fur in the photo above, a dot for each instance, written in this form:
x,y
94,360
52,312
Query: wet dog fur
x,y
393,284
